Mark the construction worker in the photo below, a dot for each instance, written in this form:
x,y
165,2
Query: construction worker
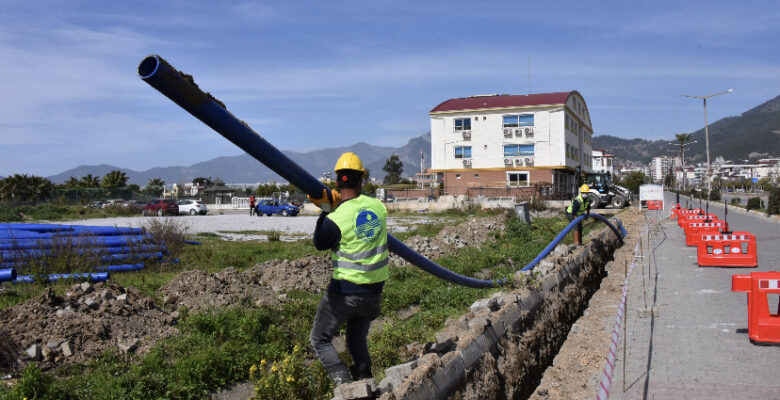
x,y
354,228
579,206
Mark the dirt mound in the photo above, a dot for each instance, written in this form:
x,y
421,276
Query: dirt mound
x,y
9,351
263,284
471,233
88,320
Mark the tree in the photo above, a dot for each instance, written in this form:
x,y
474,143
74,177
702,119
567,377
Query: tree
x,y
115,178
633,180
218,182
25,188
683,138
394,168
89,181
154,187
72,183
201,181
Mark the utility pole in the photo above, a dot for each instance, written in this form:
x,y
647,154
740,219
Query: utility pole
x,y
707,136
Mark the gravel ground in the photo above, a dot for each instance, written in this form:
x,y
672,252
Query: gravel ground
x,y
235,222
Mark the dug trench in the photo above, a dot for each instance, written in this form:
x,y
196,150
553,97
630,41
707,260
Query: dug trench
x,y
503,347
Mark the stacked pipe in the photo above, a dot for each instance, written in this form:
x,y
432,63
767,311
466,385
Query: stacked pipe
x,y
106,249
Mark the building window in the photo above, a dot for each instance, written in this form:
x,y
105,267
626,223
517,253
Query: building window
x,y
463,152
515,121
462,124
518,150
516,179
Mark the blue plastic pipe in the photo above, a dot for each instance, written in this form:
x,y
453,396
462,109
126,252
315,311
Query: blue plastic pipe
x,y
183,91
620,234
7,275
90,276
121,267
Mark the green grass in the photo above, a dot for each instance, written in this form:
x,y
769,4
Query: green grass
x,y
218,347
50,212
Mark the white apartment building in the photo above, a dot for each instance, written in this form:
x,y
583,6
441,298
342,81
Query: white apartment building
x,y
511,141
660,167
603,162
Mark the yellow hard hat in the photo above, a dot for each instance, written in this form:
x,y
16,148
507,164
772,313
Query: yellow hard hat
x,y
349,160
584,188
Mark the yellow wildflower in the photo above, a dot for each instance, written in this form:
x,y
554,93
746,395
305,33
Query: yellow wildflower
x,y
290,379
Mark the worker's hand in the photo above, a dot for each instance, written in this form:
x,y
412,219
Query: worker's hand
x,y
323,203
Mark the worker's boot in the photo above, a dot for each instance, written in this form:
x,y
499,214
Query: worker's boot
x,y
338,373
359,373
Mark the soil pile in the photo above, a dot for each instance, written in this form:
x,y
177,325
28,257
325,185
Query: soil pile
x,y
263,284
88,320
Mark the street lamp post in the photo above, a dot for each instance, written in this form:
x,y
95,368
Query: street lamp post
x,y
707,136
682,161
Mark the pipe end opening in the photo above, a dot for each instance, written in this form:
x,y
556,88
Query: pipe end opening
x,y
148,66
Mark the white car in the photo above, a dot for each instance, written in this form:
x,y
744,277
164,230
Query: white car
x,y
192,207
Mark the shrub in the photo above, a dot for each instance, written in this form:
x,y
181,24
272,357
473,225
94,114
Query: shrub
x,y
773,207
167,230
715,194
734,201
755,203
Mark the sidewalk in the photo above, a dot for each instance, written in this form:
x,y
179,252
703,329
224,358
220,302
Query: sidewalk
x,y
696,345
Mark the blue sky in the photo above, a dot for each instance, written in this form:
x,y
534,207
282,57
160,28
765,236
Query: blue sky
x,y
314,74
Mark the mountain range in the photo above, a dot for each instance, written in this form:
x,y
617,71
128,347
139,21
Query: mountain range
x,y
754,134
245,169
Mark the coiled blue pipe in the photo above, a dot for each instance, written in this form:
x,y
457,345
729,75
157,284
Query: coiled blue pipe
x,y
7,275
181,89
90,276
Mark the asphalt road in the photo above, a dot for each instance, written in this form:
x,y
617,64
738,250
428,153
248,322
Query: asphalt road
x,y
697,345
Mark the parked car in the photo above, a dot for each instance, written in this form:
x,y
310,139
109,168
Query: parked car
x,y
161,207
192,207
114,203
270,207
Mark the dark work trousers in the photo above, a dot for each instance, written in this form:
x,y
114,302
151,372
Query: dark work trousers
x,y
251,210
357,310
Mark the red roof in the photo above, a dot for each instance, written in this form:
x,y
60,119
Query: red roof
x,y
502,101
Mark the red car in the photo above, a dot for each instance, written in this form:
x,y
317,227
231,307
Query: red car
x,y
161,207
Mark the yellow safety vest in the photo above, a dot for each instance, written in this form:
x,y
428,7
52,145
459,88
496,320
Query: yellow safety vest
x,y
583,205
361,257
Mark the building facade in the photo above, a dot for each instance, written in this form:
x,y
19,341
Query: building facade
x,y
511,141
603,162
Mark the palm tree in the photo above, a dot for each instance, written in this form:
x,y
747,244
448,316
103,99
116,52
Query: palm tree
x,y
115,178
38,188
72,183
683,138
89,181
154,187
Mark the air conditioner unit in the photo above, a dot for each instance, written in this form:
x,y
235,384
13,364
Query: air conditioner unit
x,y
529,132
466,135
518,132
519,161
529,161
507,132
466,162
507,161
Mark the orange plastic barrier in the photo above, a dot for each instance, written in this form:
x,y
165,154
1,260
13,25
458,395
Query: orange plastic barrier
x,y
654,204
736,249
675,211
696,230
763,325
685,213
683,222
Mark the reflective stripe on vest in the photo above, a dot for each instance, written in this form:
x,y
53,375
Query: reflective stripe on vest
x,y
362,254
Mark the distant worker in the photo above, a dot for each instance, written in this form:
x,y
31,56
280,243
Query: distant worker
x,y
354,228
251,205
579,206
